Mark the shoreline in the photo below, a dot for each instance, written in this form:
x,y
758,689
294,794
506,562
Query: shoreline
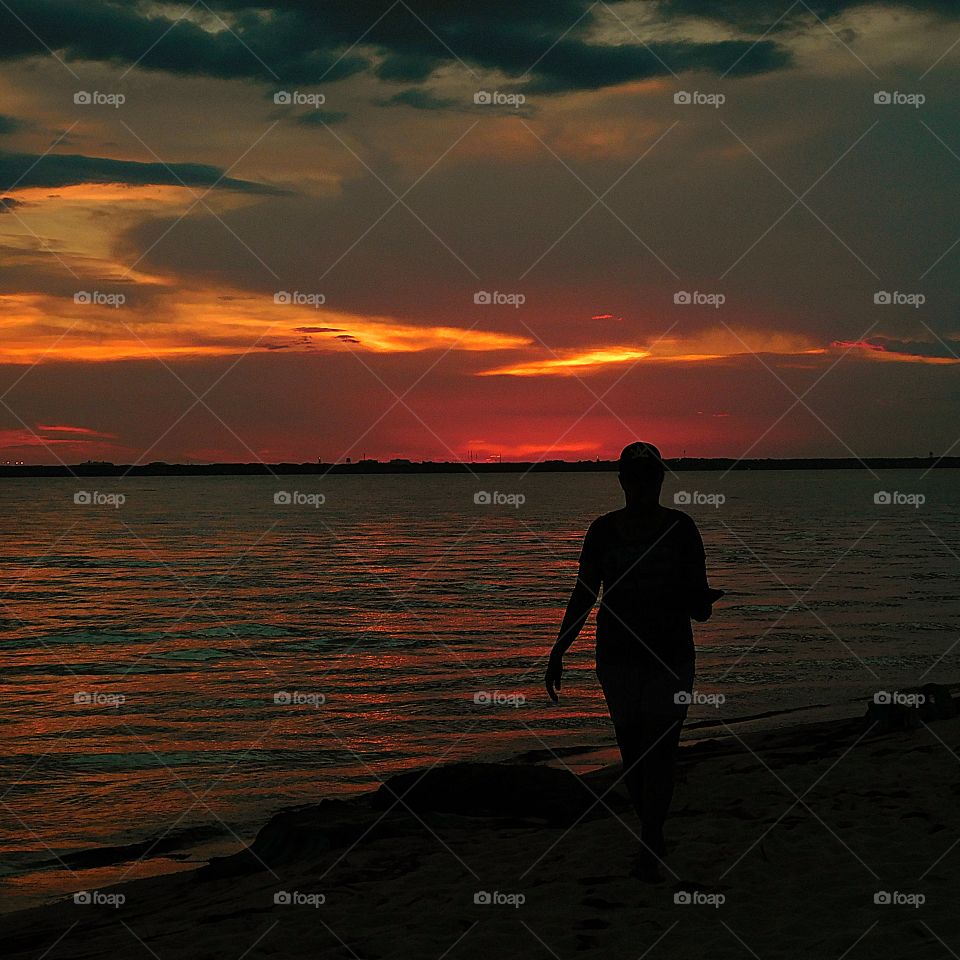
x,y
403,466
519,806
166,854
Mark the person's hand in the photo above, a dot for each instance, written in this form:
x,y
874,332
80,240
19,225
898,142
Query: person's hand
x,y
554,675
703,608
702,612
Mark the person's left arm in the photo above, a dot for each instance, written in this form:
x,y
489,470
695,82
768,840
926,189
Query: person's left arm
x,y
694,573
582,599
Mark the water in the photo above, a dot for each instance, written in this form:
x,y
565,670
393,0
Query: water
x,y
145,650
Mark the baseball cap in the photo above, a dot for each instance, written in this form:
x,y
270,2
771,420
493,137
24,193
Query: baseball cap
x,y
641,457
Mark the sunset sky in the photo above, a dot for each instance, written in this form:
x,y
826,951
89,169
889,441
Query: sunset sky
x,y
243,232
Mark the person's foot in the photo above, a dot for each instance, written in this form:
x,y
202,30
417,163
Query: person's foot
x,y
653,840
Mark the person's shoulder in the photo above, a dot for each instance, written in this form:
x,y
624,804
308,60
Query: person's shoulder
x,y
603,523
606,519
682,521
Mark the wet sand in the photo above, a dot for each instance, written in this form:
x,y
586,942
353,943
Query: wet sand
x,y
782,842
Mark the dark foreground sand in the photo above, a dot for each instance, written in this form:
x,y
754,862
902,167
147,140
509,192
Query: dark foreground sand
x,y
786,838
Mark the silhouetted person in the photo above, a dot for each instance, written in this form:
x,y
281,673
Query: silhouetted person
x,y
649,562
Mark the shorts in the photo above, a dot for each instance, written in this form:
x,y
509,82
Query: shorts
x,y
631,689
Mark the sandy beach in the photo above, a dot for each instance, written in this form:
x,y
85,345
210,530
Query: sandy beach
x,y
827,839
479,480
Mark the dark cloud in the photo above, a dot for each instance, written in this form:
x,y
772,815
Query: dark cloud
x,y
10,124
300,42
68,169
571,65
260,43
763,16
420,99
8,203
401,68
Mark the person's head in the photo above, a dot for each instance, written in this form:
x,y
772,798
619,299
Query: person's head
x,y
641,472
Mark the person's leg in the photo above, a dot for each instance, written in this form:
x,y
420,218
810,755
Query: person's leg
x,y
622,684
648,744
631,743
660,737
648,748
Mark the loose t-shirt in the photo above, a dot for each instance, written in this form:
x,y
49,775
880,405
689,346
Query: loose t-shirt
x,y
650,588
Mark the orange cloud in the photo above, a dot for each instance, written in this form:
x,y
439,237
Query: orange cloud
x,y
572,363
879,351
707,345
150,322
